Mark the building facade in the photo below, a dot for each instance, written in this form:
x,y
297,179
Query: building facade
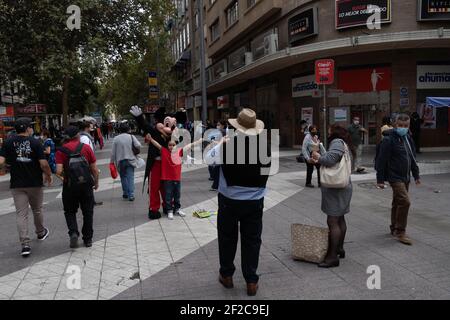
x,y
388,58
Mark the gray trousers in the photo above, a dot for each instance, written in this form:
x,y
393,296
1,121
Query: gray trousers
x,y
23,198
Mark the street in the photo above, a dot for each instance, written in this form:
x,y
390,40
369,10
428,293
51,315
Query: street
x,y
134,258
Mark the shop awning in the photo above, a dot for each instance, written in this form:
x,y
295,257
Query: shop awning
x,y
440,102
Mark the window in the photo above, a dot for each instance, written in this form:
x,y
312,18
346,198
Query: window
x,y
251,3
215,32
232,13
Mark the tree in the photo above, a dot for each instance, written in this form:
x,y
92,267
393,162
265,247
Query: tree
x,y
37,47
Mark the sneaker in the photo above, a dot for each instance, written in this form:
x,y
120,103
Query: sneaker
x,y
309,185
125,197
26,251
73,241
212,189
131,199
45,235
181,213
96,204
170,215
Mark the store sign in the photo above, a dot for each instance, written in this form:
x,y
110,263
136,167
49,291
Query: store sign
x,y
308,115
32,108
324,71
433,10
374,79
353,13
236,60
222,102
304,86
433,77
303,25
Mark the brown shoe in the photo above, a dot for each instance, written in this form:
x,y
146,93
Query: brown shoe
x,y
403,239
252,288
227,282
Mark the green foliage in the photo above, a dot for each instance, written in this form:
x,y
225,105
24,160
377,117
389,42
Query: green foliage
x,y
37,48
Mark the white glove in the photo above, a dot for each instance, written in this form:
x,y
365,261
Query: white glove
x,y
136,111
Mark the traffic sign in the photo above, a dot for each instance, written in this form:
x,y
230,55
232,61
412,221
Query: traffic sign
x,y
325,71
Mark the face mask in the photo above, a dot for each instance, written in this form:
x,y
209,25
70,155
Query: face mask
x,y
402,131
356,123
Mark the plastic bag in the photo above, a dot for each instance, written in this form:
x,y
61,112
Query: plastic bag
x,y
113,171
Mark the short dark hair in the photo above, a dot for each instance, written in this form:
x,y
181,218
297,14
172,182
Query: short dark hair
x,y
45,133
85,125
124,128
402,117
339,132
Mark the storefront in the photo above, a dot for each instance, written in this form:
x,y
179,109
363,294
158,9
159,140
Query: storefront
x,y
366,93
305,95
433,80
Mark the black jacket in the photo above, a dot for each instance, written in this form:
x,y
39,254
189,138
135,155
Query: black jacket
x,y
153,152
246,173
396,159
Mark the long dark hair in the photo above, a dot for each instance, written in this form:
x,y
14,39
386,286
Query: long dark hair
x,y
339,132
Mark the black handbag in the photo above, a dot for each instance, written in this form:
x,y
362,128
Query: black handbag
x,y
136,151
300,158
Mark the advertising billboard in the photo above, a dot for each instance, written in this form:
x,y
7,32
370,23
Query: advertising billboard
x,y
433,10
353,13
303,25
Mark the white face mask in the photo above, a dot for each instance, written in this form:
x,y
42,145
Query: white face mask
x,y
356,123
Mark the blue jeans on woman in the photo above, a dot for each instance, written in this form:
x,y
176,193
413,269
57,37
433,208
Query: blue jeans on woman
x,y
126,171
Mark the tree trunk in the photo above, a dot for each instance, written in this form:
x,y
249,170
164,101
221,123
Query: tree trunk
x,y
65,101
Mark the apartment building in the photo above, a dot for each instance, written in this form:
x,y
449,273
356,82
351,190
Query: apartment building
x,y
261,54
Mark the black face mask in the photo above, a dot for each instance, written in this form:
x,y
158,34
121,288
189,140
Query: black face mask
x,y
314,133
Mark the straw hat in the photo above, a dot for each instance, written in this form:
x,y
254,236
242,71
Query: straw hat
x,y
247,122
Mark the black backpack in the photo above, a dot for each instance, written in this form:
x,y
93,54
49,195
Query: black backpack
x,y
78,172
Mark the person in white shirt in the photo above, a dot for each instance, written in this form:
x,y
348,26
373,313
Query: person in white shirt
x,y
85,135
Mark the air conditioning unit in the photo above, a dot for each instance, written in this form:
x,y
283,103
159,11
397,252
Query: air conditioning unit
x,y
271,44
248,58
223,74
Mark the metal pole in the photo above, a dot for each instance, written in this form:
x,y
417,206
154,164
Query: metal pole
x,y
325,133
202,63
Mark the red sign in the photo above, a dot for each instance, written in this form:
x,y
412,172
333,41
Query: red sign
x,y
325,71
151,108
7,111
32,108
365,80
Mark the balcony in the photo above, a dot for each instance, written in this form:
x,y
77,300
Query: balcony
x,y
250,18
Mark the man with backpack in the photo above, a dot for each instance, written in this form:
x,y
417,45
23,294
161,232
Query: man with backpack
x,y
78,164
395,163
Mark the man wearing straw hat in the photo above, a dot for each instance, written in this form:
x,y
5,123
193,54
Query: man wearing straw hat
x,y
242,187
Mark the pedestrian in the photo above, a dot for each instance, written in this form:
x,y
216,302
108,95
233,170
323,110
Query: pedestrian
x,y
222,129
171,163
87,138
336,201
28,164
104,128
162,133
395,163
311,143
242,188
416,128
77,163
124,158
49,149
356,131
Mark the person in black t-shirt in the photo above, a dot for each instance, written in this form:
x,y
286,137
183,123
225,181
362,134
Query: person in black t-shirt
x,y
26,158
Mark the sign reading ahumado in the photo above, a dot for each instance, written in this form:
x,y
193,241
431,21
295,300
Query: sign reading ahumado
x,y
433,77
304,86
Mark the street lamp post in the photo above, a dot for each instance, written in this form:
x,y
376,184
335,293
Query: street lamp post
x,y
202,63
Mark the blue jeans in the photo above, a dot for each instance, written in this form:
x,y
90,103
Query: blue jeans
x,y
173,190
126,171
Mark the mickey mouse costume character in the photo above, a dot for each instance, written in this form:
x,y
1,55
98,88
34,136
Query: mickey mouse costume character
x,y
161,133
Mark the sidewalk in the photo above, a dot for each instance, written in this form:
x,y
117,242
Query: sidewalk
x,y
134,258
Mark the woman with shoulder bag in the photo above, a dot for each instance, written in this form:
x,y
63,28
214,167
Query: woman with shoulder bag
x,y
337,190
124,156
